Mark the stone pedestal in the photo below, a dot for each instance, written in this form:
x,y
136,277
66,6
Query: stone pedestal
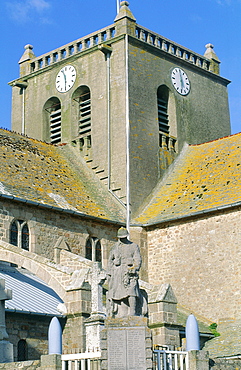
x,y
126,344
51,362
93,327
198,360
6,351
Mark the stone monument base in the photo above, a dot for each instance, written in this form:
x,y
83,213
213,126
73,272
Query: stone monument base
x,y
6,351
126,344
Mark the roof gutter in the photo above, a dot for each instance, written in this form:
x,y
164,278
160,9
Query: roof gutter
x,y
190,215
58,209
15,310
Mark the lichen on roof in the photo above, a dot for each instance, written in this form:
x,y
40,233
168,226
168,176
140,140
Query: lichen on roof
x,y
40,172
204,177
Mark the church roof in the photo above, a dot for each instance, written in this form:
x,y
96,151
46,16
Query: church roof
x,y
29,293
204,177
34,171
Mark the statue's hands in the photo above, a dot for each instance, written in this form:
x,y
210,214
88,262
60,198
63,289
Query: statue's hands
x,y
131,270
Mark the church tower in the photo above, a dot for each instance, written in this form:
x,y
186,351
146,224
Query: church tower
x,y
126,99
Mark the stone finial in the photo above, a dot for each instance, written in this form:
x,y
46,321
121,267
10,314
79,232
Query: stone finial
x,y
210,54
25,60
28,54
125,12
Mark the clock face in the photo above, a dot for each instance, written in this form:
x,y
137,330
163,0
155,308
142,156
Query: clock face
x,y
180,81
65,78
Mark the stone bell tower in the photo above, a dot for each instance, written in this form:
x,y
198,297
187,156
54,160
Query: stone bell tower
x,y
126,98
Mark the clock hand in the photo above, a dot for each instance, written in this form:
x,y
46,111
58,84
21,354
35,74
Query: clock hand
x,y
181,80
64,79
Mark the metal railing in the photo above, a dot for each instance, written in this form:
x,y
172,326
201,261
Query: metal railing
x,y
170,360
81,361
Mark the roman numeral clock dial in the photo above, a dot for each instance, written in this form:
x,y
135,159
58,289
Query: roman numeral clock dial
x,y
65,78
180,81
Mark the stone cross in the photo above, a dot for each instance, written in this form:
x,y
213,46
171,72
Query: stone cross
x,y
97,278
5,294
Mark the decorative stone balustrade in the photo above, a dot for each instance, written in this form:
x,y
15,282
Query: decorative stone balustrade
x,y
73,48
172,48
109,33
167,142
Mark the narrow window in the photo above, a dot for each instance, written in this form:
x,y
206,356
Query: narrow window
x,y
93,249
14,233
19,234
22,350
98,251
25,237
88,249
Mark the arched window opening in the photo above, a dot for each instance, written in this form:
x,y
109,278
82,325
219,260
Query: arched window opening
x,y
84,114
162,103
98,256
22,350
52,110
14,233
82,97
88,249
19,234
93,249
25,237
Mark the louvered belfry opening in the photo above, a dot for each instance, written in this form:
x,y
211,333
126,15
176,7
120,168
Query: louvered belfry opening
x,y
162,104
85,114
55,124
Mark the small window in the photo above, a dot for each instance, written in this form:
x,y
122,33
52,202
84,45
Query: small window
x,y
22,350
93,249
19,234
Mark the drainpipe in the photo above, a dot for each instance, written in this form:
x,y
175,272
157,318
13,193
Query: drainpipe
x,y
127,141
118,6
107,51
22,85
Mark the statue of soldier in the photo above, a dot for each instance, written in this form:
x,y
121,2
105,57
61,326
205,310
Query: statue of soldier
x,y
122,274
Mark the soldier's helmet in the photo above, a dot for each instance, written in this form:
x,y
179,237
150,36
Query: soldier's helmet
x,y
122,233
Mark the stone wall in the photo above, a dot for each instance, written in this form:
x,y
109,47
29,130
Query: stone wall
x,y
33,329
46,227
200,258
23,365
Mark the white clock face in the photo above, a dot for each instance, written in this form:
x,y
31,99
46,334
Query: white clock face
x,y
180,81
65,78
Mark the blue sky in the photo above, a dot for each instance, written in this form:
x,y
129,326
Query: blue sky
x,y
48,24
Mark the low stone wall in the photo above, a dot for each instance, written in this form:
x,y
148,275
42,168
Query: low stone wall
x,y
23,365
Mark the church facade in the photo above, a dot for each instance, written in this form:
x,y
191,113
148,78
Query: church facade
x,y
125,127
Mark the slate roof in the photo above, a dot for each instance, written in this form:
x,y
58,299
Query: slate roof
x,y
204,177
39,172
29,293
228,343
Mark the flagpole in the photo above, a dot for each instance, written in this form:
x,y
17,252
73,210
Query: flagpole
x,y
118,6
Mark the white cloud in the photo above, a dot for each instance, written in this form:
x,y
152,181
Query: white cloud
x,y
23,11
39,5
